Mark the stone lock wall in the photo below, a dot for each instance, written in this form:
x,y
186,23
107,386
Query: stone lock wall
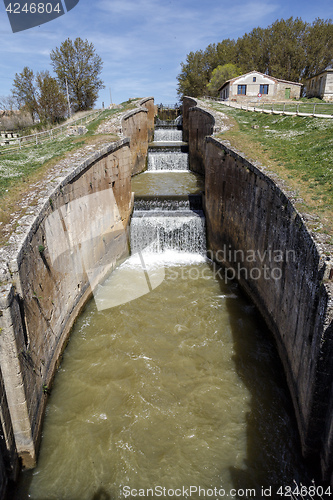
x,y
254,230
139,125
148,103
74,241
8,460
50,282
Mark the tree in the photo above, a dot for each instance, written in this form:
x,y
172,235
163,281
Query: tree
x,y
289,49
220,75
24,91
8,103
318,44
40,95
287,57
77,65
197,71
52,104
226,52
253,51
193,79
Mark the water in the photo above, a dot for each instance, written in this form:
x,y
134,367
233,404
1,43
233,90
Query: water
x,y
168,134
161,160
168,202
164,183
173,382
179,387
183,231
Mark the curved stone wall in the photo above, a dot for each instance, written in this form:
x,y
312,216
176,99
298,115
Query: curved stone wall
x,y
74,240
138,124
148,103
254,230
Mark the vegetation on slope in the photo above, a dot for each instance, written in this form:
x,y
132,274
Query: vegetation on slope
x,y
20,170
299,149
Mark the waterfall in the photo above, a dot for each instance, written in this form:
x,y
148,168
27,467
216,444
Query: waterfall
x,y
168,134
168,152
171,202
167,160
168,223
183,231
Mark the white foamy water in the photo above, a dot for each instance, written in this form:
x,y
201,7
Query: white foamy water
x,y
172,160
184,232
168,134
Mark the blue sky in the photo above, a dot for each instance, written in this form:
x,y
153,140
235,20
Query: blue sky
x,y
143,42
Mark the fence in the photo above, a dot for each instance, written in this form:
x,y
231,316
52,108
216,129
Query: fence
x,y
8,145
315,109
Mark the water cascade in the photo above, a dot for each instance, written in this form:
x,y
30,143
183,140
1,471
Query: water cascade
x,y
174,383
167,134
163,158
183,231
162,223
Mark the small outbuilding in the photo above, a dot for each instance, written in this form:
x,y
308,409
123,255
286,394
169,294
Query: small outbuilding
x,y
257,85
321,85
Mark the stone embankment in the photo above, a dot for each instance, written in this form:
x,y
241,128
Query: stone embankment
x,y
255,231
74,232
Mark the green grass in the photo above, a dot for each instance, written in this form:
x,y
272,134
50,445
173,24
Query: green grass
x,y
299,149
20,169
311,106
18,166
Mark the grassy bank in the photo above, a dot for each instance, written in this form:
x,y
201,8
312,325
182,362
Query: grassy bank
x,y
21,170
299,149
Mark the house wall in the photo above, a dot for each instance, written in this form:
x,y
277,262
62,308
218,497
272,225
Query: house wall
x,y
276,88
248,211
321,86
252,88
280,91
224,94
328,96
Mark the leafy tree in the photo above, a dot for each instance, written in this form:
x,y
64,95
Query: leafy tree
x,y
287,56
253,51
39,94
289,49
220,75
24,91
78,63
194,77
318,44
226,52
197,71
52,104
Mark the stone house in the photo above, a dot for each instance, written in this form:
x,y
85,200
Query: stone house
x,y
254,85
321,85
